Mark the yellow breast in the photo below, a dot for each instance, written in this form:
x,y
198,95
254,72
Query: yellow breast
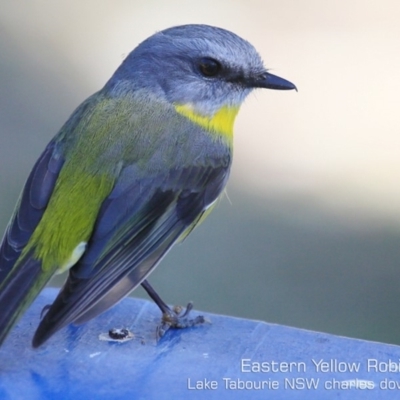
x,y
221,123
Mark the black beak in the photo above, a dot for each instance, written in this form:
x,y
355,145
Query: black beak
x,y
269,81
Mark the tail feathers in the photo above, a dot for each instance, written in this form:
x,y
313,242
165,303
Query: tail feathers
x,y
18,291
54,319
73,303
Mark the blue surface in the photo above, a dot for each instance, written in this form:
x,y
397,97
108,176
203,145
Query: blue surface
x,y
75,364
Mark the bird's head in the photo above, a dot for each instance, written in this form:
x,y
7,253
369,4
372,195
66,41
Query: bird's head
x,y
200,69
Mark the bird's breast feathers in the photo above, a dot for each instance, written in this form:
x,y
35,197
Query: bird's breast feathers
x,y
219,125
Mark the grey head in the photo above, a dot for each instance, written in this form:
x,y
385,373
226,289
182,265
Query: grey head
x,y
199,65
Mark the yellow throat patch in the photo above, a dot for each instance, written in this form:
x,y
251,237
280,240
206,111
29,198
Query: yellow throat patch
x,y
221,123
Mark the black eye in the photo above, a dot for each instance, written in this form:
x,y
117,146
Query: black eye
x,y
209,67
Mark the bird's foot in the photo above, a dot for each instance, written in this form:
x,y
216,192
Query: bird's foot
x,y
178,318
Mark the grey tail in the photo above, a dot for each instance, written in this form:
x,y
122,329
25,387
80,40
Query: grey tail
x,y
17,291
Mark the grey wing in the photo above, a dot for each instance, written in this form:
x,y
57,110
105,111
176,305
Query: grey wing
x,y
16,281
31,206
136,226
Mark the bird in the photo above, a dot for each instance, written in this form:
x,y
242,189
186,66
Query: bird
x,y
136,167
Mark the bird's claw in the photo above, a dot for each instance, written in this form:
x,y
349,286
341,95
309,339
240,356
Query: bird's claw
x,y
177,318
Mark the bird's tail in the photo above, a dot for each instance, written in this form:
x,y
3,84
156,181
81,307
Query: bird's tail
x,y
17,291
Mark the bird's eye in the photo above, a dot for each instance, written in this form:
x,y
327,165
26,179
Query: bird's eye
x,y
209,67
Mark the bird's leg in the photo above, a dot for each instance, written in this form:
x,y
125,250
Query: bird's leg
x,y
175,318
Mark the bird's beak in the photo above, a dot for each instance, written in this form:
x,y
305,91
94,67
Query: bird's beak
x,y
269,81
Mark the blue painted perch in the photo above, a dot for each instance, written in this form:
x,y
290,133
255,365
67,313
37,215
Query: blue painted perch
x,y
228,359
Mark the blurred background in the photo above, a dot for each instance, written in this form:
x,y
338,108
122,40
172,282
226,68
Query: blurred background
x,y
310,234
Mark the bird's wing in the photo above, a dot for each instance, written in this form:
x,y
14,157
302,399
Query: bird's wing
x,y
30,208
136,226
17,280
